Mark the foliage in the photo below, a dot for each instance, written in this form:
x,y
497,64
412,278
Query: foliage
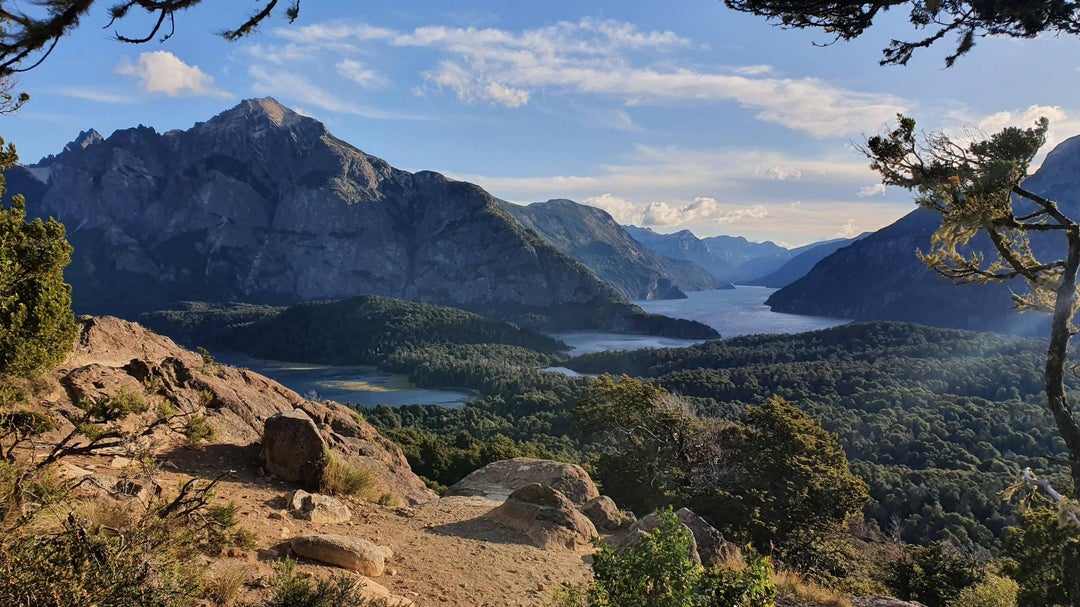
x,y
289,588
1035,557
967,20
778,480
198,430
936,574
994,591
343,478
658,571
37,327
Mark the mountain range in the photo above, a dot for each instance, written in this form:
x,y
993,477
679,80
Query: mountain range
x,y
263,205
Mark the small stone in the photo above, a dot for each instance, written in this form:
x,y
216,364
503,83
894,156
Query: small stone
x,y
268,554
120,462
276,516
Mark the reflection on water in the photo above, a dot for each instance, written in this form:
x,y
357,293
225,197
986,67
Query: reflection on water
x,y
359,385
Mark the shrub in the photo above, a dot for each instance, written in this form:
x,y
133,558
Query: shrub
x,y
343,478
198,430
994,591
289,588
659,572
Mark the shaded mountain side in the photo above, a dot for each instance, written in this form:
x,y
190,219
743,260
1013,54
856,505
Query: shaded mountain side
x,y
594,238
879,277
265,206
801,264
727,258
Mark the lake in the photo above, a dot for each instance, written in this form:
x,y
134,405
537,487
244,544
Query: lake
x,y
732,312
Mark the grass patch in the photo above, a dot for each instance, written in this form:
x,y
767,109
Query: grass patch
x,y
342,478
797,589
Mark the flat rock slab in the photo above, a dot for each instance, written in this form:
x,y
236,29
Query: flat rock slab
x,y
353,553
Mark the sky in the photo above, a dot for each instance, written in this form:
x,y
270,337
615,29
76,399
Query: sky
x,y
669,115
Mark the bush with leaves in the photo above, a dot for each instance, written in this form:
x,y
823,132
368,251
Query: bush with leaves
x,y
289,588
658,571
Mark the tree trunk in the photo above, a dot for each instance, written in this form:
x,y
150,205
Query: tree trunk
x,y
1056,356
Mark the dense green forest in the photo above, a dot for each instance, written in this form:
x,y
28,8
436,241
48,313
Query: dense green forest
x,y
937,422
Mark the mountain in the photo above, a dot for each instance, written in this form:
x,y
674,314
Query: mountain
x,y
591,236
879,277
802,262
262,205
727,258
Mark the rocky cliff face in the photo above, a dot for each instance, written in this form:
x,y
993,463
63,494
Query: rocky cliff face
x,y
260,204
594,238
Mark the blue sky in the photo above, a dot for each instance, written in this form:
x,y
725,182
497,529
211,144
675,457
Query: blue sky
x,y
680,115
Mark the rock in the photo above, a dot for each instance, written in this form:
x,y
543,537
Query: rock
x,y
142,488
643,528
356,554
547,517
498,480
318,508
603,513
878,601
379,595
292,448
711,545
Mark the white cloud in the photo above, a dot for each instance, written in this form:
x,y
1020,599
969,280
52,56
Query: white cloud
x,y
506,95
163,72
878,189
701,210
358,73
621,209
848,230
604,58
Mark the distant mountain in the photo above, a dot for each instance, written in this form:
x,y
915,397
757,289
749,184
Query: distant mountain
x,y
727,258
802,262
262,205
591,236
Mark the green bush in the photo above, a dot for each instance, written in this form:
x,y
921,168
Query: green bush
x,y
343,478
994,591
37,327
935,574
659,572
289,588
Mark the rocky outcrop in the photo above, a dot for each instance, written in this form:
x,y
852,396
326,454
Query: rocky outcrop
x,y
603,513
113,356
262,205
498,480
293,449
711,546
548,518
644,527
318,508
353,553
591,236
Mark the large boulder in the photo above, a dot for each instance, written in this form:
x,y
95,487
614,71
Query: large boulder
x,y
318,508
292,448
498,480
353,553
547,517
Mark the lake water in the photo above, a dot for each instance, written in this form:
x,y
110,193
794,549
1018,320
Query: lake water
x,y
732,312
358,385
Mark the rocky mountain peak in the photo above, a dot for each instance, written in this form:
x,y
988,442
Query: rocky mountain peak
x,y
261,109
85,139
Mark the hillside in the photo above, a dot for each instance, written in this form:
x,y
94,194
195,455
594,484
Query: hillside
x,y
594,238
879,277
804,260
262,205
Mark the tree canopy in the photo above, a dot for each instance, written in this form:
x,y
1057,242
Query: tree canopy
x,y
932,20
28,36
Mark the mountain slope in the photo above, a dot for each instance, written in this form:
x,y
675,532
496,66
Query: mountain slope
x,y
804,260
879,277
263,205
727,258
594,238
